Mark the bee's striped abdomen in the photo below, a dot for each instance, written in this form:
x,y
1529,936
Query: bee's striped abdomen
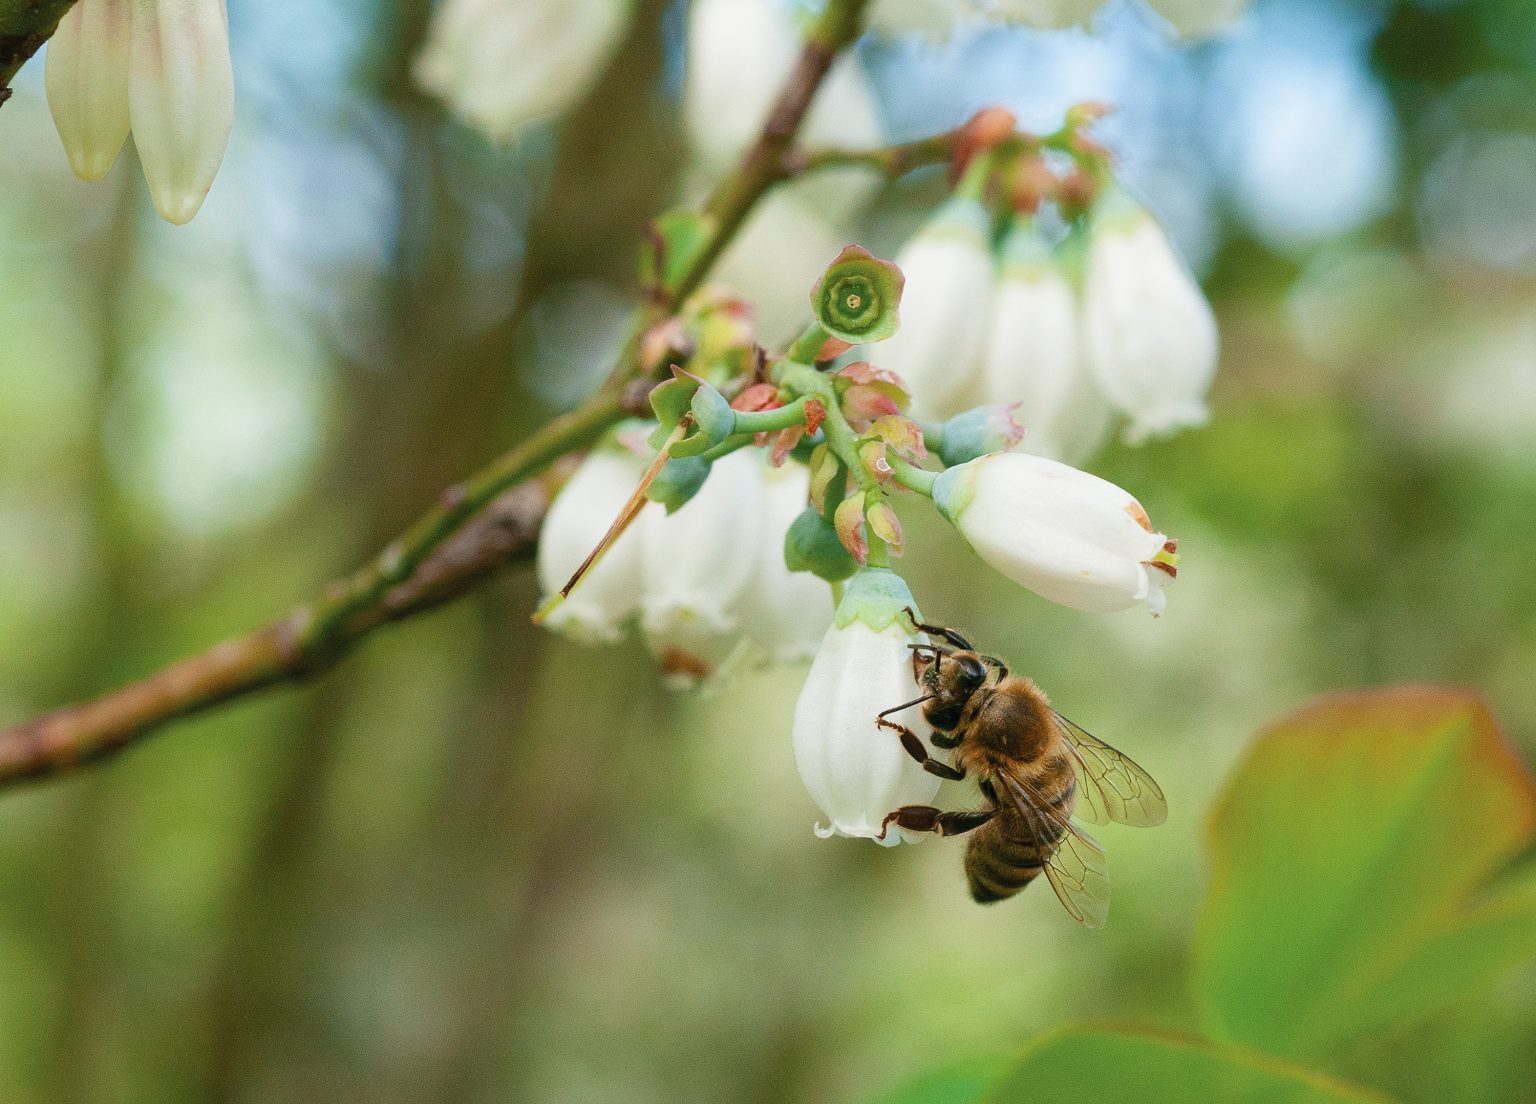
x,y
1009,851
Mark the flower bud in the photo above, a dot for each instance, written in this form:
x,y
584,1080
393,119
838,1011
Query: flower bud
x,y
505,66
948,270
609,594
856,771
1148,334
181,94
1068,536
1032,356
86,73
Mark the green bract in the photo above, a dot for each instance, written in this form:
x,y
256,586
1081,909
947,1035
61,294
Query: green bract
x,y
856,299
876,596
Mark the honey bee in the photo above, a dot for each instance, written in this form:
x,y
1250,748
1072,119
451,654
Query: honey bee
x,y
1036,769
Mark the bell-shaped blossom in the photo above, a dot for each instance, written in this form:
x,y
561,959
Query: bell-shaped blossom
x,y
1032,356
785,613
1068,536
1149,336
161,67
181,96
855,770
599,608
505,66
944,307
698,560
86,74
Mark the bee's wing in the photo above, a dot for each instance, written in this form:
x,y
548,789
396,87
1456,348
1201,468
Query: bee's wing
x,y
1074,863
1111,786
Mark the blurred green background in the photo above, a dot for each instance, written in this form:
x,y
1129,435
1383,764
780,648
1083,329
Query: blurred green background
x,y
477,863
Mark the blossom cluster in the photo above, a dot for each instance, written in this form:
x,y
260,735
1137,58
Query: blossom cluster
x,y
782,473
1100,321
698,583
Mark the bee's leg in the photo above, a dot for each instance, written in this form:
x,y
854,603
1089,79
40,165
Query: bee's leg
x,y
937,630
915,748
925,818
996,664
944,740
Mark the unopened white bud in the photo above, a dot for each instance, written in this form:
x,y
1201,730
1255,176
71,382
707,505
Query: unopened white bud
x,y
1068,536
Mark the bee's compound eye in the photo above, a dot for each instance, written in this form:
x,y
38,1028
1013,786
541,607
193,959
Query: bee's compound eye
x,y
972,671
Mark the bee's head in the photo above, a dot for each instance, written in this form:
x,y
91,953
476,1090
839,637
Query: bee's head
x,y
950,677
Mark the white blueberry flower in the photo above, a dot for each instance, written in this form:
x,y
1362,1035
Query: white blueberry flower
x,y
86,75
161,67
856,771
1032,356
1149,336
505,66
1068,536
948,270
785,613
600,607
698,560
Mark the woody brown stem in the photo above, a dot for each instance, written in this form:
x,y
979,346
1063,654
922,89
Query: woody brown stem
x,y
24,26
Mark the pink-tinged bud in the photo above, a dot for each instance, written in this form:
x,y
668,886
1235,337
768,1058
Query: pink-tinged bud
x,y
1068,536
886,526
182,99
86,74
848,519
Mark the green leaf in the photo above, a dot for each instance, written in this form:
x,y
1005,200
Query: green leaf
x,y
1121,1066
961,1083
1344,853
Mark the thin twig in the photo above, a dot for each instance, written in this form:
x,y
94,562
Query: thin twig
x,y
477,526
24,26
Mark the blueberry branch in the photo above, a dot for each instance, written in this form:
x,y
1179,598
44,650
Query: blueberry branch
x,y
477,526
